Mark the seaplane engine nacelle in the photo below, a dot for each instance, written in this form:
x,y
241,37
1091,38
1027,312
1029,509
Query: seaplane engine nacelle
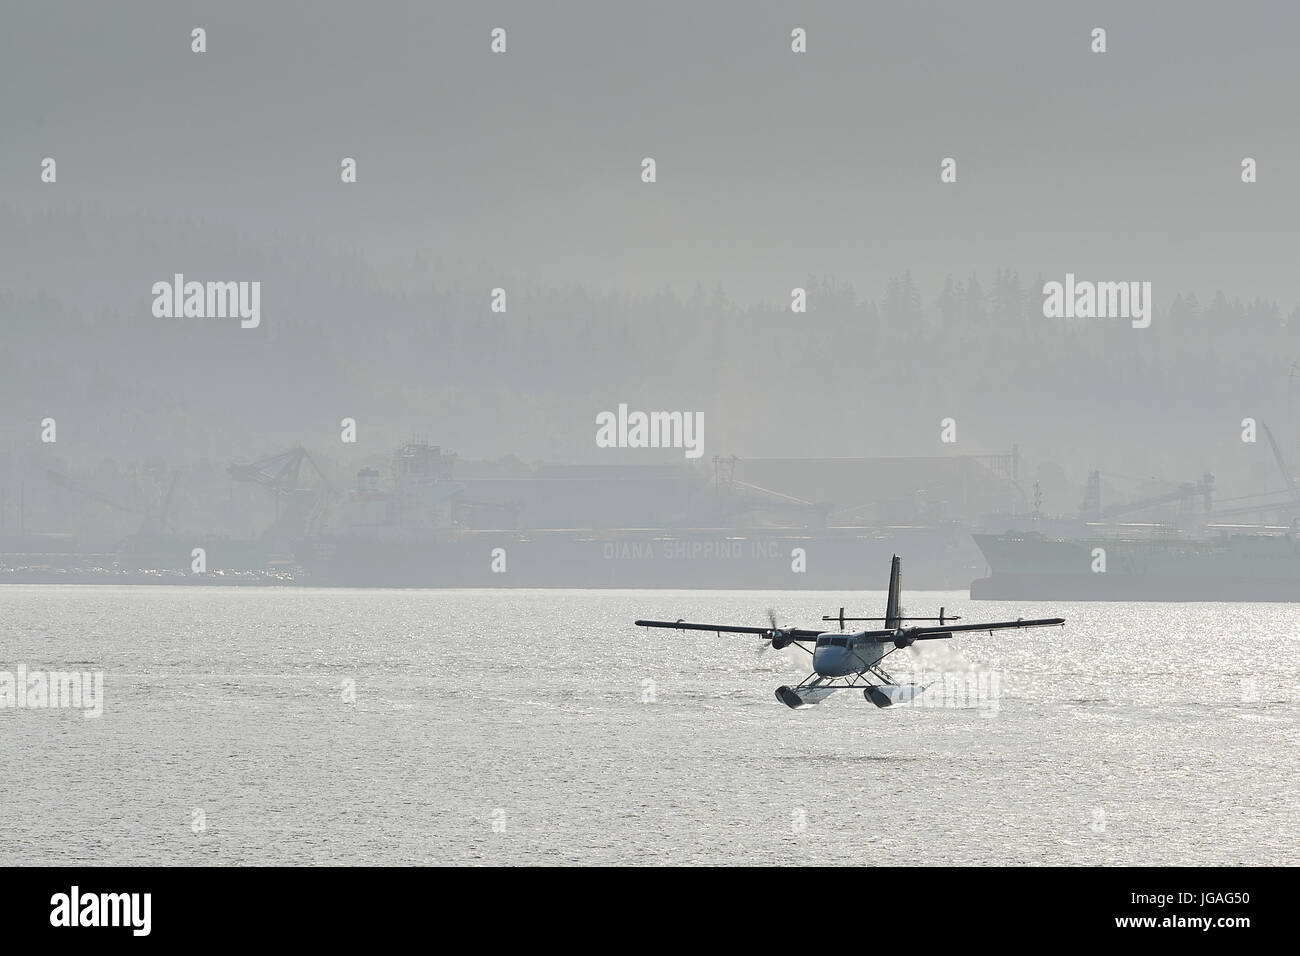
x,y
903,639
780,642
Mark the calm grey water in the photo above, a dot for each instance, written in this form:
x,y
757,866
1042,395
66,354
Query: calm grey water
x,y
517,727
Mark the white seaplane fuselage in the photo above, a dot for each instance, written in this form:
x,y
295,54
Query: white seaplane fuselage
x,y
842,655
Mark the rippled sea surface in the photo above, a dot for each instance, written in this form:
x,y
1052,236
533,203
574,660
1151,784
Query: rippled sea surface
x,y
257,726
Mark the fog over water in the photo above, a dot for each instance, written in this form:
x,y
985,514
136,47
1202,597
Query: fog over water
x,y
775,170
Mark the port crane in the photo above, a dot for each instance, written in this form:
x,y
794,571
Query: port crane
x,y
1288,508
151,523
280,474
740,497
1092,510
852,661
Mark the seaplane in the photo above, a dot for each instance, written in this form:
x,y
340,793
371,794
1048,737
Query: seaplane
x,y
852,661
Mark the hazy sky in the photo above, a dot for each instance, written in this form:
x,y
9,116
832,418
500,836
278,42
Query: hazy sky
x,y
772,166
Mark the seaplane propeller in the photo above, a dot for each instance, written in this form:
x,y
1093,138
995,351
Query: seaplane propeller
x,y
776,638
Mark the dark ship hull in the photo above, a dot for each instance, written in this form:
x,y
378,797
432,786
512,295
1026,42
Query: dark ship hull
x,y
836,559
1237,567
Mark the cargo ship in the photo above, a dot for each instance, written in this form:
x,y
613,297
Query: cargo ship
x,y
830,559
1212,565
568,526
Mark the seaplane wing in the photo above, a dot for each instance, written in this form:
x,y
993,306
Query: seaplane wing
x,y
789,633
852,660
931,633
910,633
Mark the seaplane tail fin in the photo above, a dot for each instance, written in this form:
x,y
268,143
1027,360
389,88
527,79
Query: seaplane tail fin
x,y
893,612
